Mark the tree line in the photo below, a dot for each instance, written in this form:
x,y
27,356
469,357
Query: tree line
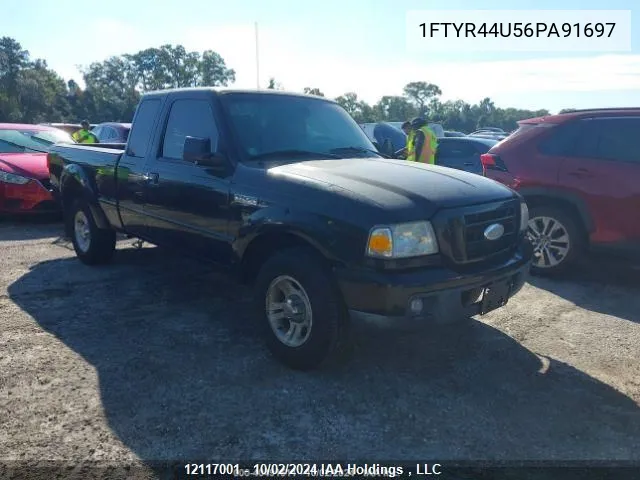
x,y
31,92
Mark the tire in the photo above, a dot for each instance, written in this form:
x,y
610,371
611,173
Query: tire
x,y
564,239
318,342
93,245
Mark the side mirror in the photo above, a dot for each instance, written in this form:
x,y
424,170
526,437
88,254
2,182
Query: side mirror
x,y
198,150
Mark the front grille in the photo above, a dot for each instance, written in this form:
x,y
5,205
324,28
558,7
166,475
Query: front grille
x,y
461,231
477,246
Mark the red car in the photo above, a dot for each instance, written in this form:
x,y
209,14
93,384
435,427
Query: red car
x,y
580,175
24,175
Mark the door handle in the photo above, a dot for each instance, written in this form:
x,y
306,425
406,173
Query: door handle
x,y
151,178
469,164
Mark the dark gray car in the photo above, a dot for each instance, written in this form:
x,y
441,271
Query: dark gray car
x,y
463,153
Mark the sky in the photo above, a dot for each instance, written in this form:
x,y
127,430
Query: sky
x,y
335,45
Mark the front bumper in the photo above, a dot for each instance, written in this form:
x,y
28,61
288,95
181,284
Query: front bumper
x,y
32,197
445,293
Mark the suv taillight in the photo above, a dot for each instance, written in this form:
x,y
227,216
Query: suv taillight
x,y
491,161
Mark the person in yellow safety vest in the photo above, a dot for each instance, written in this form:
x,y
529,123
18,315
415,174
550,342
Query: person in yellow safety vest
x,y
424,142
407,150
84,135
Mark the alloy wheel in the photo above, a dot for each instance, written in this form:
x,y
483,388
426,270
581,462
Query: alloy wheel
x,y
550,240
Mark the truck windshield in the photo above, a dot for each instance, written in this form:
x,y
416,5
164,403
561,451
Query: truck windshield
x,y
270,123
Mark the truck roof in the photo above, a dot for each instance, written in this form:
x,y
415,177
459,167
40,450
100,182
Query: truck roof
x,y
226,90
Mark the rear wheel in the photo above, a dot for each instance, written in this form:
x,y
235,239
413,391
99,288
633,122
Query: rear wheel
x,y
93,245
556,237
300,310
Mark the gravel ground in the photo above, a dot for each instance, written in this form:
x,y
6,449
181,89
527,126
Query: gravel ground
x,y
155,358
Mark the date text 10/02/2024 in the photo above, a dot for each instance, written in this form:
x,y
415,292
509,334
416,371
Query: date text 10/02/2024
x,y
516,30
306,469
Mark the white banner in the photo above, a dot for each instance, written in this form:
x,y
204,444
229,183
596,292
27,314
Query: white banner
x,y
519,30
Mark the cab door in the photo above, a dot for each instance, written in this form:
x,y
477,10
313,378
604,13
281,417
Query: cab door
x,y
187,205
131,172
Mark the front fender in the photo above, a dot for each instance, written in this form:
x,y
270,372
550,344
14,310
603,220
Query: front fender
x,y
74,184
320,231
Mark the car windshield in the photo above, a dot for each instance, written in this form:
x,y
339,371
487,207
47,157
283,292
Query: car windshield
x,y
20,141
274,123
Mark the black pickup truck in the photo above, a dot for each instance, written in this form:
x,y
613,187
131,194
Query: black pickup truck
x,y
289,194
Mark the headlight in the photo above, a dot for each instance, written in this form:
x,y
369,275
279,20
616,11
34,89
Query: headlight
x,y
524,217
7,177
402,240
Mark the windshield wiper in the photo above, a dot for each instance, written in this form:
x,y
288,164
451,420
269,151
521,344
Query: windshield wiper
x,y
360,150
293,153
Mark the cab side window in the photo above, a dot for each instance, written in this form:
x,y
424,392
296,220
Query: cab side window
x,y
188,118
142,131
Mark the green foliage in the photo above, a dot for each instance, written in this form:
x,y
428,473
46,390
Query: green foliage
x,y
313,91
420,93
31,92
358,109
273,85
421,98
394,109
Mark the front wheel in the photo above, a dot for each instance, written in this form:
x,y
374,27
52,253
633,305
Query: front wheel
x,y
301,311
93,245
556,238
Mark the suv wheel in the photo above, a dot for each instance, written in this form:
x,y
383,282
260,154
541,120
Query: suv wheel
x,y
93,246
556,238
301,311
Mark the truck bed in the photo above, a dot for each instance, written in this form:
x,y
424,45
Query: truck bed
x,y
91,157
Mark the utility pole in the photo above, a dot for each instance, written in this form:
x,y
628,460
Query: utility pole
x,y
257,59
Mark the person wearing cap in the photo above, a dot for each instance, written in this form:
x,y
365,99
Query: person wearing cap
x,y
407,151
424,143
84,135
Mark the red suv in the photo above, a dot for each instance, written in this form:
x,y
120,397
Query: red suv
x,y
580,175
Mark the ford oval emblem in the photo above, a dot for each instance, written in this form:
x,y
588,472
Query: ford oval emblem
x,y
494,231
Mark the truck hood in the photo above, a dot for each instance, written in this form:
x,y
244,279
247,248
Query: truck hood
x,y
398,185
31,165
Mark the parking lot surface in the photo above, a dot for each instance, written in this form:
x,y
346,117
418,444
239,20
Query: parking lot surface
x,y
157,357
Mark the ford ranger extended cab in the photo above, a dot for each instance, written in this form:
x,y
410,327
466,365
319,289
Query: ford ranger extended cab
x,y
287,192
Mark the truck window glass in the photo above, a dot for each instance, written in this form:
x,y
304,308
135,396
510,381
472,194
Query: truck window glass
x,y
140,137
267,123
192,118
